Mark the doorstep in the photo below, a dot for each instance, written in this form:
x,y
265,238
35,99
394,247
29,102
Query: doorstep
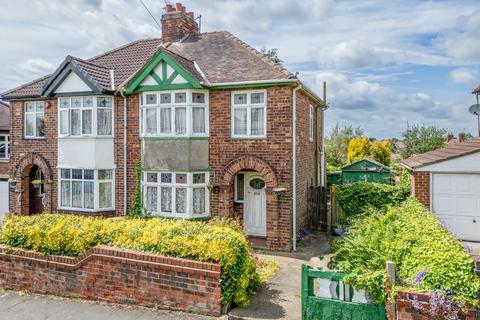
x,y
257,242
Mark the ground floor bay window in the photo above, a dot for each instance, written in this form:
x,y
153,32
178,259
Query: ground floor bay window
x,y
86,190
174,194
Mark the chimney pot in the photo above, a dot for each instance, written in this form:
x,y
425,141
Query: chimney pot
x,y
176,26
169,8
461,137
183,9
178,6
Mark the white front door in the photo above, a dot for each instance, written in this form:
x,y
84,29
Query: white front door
x,y
3,199
456,202
255,207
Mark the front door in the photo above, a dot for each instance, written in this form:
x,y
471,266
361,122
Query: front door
x,y
255,207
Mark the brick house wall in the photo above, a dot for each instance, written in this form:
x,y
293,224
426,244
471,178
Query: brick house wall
x,y
117,275
420,186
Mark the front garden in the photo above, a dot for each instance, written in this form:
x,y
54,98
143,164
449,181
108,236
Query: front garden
x,y
385,226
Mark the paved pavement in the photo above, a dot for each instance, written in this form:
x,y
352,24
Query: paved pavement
x,y
16,306
280,296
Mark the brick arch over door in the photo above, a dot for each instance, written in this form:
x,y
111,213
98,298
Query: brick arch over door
x,y
249,163
20,199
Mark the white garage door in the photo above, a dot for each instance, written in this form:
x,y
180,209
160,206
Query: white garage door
x,y
456,201
3,199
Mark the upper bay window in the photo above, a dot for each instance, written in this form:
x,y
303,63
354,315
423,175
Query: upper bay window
x,y
182,113
249,114
85,116
34,119
4,147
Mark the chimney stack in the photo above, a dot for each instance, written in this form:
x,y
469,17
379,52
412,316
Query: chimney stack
x,y
449,137
461,137
177,23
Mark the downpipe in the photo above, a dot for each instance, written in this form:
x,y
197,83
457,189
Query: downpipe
x,y
125,183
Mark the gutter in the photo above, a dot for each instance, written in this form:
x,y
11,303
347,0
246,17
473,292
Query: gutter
x,y
125,183
294,167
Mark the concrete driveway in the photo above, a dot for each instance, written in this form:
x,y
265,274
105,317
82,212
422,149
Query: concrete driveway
x,y
15,306
280,296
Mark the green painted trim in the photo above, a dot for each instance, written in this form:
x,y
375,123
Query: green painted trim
x,y
253,85
177,170
172,138
155,77
172,77
162,57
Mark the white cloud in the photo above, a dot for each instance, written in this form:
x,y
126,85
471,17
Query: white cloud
x,y
35,67
463,75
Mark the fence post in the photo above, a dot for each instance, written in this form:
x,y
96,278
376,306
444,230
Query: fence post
x,y
305,288
391,279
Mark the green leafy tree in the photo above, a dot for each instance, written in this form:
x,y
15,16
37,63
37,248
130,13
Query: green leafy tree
x,y
381,152
420,139
271,54
358,149
336,146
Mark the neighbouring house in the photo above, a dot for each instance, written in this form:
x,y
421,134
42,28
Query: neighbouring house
x,y
4,156
365,170
447,181
220,131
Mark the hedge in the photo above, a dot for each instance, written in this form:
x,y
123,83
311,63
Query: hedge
x,y
357,198
426,255
217,242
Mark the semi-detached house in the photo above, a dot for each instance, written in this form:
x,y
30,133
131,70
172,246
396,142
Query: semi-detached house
x,y
218,129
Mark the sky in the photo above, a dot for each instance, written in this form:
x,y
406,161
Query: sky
x,y
388,64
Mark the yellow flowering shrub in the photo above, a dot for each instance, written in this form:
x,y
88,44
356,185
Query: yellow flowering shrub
x,y
218,241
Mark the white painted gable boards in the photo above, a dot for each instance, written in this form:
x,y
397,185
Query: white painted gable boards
x,y
73,83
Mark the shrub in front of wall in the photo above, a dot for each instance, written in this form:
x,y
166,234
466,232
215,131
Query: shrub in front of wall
x,y
356,198
218,242
427,257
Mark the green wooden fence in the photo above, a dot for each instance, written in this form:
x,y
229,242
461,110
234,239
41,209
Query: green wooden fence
x,y
326,297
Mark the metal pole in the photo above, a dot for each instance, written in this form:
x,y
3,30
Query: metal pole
x,y
478,117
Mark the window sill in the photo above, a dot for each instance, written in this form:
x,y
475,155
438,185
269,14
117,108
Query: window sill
x,y
34,138
85,137
86,211
200,217
154,138
4,159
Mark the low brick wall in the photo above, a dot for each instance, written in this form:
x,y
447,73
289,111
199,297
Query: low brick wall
x,y
116,275
406,311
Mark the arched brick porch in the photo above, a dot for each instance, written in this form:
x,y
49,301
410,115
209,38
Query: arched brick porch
x,y
20,197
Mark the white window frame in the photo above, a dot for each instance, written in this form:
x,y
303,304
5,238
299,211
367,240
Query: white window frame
x,y
96,190
188,104
189,186
236,189
7,146
34,113
94,108
248,106
311,123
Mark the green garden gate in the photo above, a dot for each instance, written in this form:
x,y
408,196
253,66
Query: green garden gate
x,y
326,297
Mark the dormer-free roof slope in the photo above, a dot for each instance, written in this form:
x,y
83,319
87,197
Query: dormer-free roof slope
x,y
4,116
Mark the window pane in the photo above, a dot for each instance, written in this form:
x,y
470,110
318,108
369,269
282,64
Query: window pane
x,y
65,194
105,174
64,122
151,121
240,186
257,121
29,107
105,194
166,178
240,98
151,199
30,125
40,125
76,102
180,97
180,200
240,122
165,98
198,178
151,98
180,120
198,97
88,102
64,102
3,150
166,199
75,128
257,98
198,120
40,106
152,177
87,121
3,138
77,174
88,198
181,178
104,122
77,194
88,174
198,200
65,173
165,120
104,102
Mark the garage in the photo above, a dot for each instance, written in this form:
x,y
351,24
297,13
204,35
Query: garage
x,y
3,198
447,181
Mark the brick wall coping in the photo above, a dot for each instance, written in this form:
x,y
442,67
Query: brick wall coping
x,y
133,257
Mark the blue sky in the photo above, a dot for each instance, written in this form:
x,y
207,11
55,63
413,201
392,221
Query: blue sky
x,y
387,63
